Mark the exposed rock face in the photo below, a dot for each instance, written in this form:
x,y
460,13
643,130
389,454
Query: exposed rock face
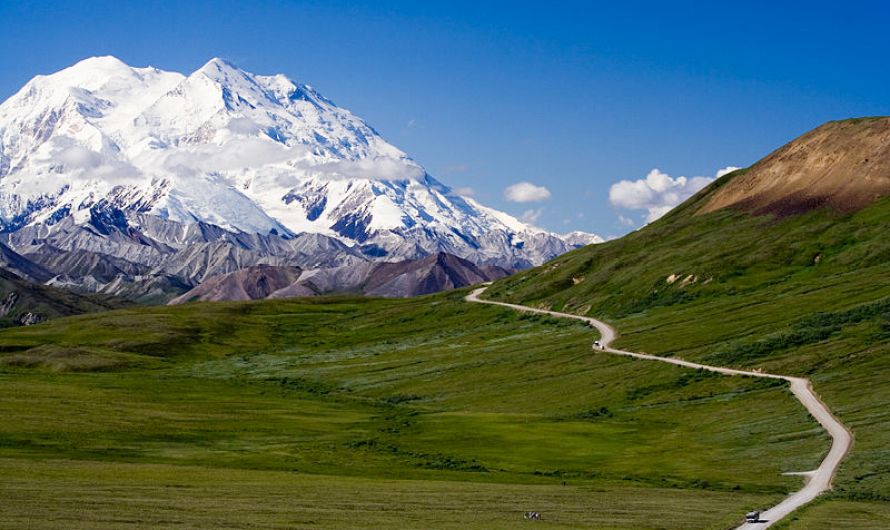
x,y
24,303
170,178
844,165
400,279
154,260
429,275
8,303
22,266
29,319
252,283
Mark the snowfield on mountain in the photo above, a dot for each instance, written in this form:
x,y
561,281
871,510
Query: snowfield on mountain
x,y
137,164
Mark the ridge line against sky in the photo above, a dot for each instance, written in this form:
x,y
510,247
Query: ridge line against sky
x,y
572,99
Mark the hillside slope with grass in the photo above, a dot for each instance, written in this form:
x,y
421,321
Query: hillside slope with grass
x,y
368,413
799,291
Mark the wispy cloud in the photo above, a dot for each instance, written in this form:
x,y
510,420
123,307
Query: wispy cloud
x,y
379,168
531,216
626,221
465,191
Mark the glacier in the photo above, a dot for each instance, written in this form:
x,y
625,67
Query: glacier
x,y
105,147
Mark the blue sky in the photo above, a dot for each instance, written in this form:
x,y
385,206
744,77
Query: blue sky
x,y
570,96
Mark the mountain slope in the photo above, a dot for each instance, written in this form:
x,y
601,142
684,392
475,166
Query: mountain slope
x,y
26,303
252,283
429,275
22,266
842,164
439,272
767,281
117,151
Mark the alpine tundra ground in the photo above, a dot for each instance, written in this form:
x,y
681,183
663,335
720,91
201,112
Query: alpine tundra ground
x,y
367,413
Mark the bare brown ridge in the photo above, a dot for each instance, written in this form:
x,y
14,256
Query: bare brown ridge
x,y
844,165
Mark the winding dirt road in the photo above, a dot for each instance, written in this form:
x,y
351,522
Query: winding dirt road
x,y
817,481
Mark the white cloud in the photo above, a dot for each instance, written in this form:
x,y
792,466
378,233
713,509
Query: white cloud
x,y
78,159
240,153
531,216
233,155
465,191
243,126
411,123
658,193
526,192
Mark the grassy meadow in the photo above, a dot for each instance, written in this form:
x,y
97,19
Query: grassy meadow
x,y
353,412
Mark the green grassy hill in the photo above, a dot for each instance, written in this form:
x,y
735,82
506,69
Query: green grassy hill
x,y
334,412
805,294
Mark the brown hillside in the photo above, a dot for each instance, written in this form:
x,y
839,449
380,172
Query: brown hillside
x,y
251,283
844,165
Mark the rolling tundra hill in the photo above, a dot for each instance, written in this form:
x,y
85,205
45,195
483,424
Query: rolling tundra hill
x,y
783,266
734,236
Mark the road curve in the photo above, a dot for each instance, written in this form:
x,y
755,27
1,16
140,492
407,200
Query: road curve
x,y
818,481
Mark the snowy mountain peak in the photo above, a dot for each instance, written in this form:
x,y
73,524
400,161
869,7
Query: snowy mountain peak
x,y
576,238
100,63
227,75
218,63
251,154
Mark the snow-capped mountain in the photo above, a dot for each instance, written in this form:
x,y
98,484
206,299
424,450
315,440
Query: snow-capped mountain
x,y
104,144
577,238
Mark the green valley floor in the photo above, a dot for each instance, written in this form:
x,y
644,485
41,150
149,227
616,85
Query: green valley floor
x,y
350,412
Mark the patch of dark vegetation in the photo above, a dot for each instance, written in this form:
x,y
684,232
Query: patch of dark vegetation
x,y
810,330
762,383
398,399
685,379
441,462
299,384
594,414
660,298
14,348
369,443
861,495
397,423
679,483
436,461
